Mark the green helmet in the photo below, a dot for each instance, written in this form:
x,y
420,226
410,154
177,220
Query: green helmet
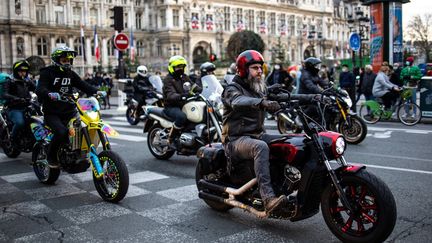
x,y
21,65
175,61
63,51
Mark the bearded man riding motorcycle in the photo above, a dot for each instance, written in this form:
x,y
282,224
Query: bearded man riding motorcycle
x,y
177,87
55,79
17,94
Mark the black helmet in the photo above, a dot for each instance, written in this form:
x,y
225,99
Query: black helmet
x,y
312,64
206,68
63,51
22,65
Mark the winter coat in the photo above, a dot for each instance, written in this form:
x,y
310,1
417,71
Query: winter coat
x,y
173,91
347,80
382,85
311,83
15,89
368,83
411,75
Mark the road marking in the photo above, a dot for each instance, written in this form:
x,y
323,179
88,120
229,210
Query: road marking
x,y
130,138
127,129
391,156
120,123
394,168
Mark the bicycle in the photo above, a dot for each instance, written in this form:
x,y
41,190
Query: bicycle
x,y
409,113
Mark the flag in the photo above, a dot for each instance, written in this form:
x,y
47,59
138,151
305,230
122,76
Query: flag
x,y
195,22
209,23
96,45
83,43
132,48
263,27
240,25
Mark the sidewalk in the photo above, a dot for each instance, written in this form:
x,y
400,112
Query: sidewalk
x,y
117,110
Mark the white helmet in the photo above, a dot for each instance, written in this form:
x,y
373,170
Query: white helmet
x,y
142,70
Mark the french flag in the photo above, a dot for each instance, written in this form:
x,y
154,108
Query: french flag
x,y
132,48
96,45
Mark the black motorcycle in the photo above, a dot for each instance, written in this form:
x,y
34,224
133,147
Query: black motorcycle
x,y
356,205
333,116
26,142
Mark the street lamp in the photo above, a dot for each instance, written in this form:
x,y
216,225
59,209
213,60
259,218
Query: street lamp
x,y
360,21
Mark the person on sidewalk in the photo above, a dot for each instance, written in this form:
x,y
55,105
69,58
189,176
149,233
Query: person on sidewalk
x,y
411,76
347,81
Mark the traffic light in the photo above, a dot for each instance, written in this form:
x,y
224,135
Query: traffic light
x,y
212,57
118,18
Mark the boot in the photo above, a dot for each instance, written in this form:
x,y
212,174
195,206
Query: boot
x,y
174,132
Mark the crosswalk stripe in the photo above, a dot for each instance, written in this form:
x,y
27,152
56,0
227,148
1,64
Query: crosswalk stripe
x,y
131,130
130,138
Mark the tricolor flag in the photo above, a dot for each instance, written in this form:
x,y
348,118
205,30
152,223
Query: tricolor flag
x,y
240,25
96,45
263,28
83,43
132,48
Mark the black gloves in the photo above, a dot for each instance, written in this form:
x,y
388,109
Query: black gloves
x,y
269,105
323,99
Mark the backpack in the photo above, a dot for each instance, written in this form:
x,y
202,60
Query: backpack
x,y
4,77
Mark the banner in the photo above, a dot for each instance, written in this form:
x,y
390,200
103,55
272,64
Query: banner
x,y
132,48
396,44
240,26
376,35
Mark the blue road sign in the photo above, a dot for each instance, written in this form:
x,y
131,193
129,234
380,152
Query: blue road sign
x,y
354,41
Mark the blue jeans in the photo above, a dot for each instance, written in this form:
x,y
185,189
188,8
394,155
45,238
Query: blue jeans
x,y
177,115
413,100
17,118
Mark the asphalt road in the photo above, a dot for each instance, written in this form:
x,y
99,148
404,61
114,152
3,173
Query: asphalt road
x,y
162,204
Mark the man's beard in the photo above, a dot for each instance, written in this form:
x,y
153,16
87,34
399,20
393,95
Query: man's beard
x,y
256,84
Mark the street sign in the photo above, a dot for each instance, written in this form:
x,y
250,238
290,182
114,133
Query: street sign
x,y
121,42
354,41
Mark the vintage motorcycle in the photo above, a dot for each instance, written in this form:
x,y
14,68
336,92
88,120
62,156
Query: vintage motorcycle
x,y
135,114
86,132
203,126
27,140
335,116
356,205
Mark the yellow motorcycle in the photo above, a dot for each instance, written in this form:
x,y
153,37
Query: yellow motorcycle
x,y
86,132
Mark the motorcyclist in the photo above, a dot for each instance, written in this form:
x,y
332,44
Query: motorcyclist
x,y
141,85
17,95
206,68
176,88
245,104
55,80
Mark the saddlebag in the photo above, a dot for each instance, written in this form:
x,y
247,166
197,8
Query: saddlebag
x,y
212,158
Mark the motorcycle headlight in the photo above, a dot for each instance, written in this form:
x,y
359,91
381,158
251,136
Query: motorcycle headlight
x,y
340,145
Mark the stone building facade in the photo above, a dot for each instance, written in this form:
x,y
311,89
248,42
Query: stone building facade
x,y
162,28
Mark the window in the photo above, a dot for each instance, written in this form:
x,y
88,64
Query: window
x,y
42,46
176,18
59,15
40,15
282,25
227,18
140,49
150,21
138,20
93,16
60,42
77,46
162,17
159,50
251,22
20,46
239,14
272,23
77,15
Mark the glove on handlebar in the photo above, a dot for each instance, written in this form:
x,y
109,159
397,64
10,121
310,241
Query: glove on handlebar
x,y
270,105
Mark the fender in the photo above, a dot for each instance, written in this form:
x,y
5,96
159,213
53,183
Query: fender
x,y
350,169
107,129
148,123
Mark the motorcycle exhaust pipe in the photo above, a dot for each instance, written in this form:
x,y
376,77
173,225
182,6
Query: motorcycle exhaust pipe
x,y
231,191
233,203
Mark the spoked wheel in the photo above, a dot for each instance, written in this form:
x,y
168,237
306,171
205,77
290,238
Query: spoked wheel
x,y
44,173
409,113
374,210
6,143
355,133
114,184
157,140
368,115
132,116
199,174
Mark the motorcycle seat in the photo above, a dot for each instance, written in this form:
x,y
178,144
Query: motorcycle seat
x,y
273,138
159,112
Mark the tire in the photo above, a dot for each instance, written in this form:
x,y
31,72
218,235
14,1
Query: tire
x,y
158,151
43,172
130,117
409,119
373,204
356,133
221,207
369,118
7,145
116,176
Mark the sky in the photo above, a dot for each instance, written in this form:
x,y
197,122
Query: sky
x,y
415,7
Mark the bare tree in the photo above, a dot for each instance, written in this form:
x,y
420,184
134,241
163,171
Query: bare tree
x,y
420,32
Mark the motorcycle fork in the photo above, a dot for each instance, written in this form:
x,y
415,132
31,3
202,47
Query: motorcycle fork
x,y
96,165
344,114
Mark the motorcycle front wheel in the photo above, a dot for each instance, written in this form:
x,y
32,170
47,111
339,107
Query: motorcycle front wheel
x,y
373,214
6,143
43,172
132,116
114,183
355,133
155,143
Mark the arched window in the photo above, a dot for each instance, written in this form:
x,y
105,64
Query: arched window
x,y
140,48
60,42
20,46
42,46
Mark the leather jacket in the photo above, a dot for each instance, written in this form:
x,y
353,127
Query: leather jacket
x,y
311,83
15,89
242,114
141,85
173,91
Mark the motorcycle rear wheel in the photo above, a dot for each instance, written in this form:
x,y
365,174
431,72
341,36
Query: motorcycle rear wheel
x,y
114,184
131,116
8,147
157,150
374,209
43,172
356,133
221,207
